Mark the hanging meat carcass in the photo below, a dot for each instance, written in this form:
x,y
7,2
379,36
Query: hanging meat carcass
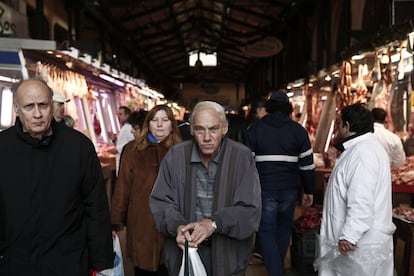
x,y
398,91
361,89
376,78
382,100
343,91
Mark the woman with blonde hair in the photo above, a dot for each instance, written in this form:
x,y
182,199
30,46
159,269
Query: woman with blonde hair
x,y
138,170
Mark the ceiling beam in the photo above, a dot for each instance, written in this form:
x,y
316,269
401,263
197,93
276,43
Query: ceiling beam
x,y
121,36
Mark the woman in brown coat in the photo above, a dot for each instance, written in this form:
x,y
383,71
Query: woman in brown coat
x,y
139,167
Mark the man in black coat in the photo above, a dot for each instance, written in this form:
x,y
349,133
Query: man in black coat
x,y
54,215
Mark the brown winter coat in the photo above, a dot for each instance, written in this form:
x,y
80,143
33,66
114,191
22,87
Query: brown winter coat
x,y
130,207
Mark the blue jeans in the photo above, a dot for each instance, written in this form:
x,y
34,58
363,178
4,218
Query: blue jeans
x,y
275,228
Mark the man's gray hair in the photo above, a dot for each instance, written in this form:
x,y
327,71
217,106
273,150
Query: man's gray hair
x,y
203,105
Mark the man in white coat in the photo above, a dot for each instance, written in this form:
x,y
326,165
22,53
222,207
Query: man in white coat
x,y
356,230
391,141
125,133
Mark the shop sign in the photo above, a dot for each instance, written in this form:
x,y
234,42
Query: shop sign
x,y
12,23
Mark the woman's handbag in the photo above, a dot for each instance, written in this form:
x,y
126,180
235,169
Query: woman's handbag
x,y
191,264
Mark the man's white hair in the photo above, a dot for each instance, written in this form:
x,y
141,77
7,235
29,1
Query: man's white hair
x,y
210,105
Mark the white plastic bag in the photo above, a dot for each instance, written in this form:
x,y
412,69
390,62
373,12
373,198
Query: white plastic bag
x,y
364,261
118,269
194,263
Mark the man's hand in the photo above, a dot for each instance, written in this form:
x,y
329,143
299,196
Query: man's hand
x,y
182,236
195,233
345,246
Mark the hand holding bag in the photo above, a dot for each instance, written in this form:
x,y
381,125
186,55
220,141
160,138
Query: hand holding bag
x,y
118,269
191,264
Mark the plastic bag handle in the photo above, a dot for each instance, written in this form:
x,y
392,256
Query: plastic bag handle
x,y
186,262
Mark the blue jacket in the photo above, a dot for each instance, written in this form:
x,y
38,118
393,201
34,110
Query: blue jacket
x,y
283,153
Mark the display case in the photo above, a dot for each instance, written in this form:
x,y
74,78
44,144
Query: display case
x,y
12,70
403,247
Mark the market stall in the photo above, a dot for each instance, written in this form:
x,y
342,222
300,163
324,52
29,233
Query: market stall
x,y
404,240
379,77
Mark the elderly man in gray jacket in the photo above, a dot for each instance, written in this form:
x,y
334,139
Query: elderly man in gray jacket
x,y
208,192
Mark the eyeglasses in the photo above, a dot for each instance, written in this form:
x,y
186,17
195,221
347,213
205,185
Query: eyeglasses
x,y
199,130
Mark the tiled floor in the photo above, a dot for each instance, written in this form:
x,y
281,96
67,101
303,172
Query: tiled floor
x,y
256,268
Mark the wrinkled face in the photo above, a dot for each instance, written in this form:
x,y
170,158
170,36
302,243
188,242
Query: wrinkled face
x,y
58,111
160,126
209,131
33,104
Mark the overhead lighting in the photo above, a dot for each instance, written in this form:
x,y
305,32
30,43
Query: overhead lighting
x,y
7,79
69,64
112,80
357,57
6,107
196,58
299,83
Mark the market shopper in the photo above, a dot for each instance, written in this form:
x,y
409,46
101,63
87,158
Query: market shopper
x,y
136,120
54,214
258,109
357,208
208,192
125,134
391,142
59,106
69,121
140,162
284,161
184,126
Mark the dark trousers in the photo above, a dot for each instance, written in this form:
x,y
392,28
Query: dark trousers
x,y
275,228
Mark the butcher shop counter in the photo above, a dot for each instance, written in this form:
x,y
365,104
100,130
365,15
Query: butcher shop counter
x,y
404,241
403,184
